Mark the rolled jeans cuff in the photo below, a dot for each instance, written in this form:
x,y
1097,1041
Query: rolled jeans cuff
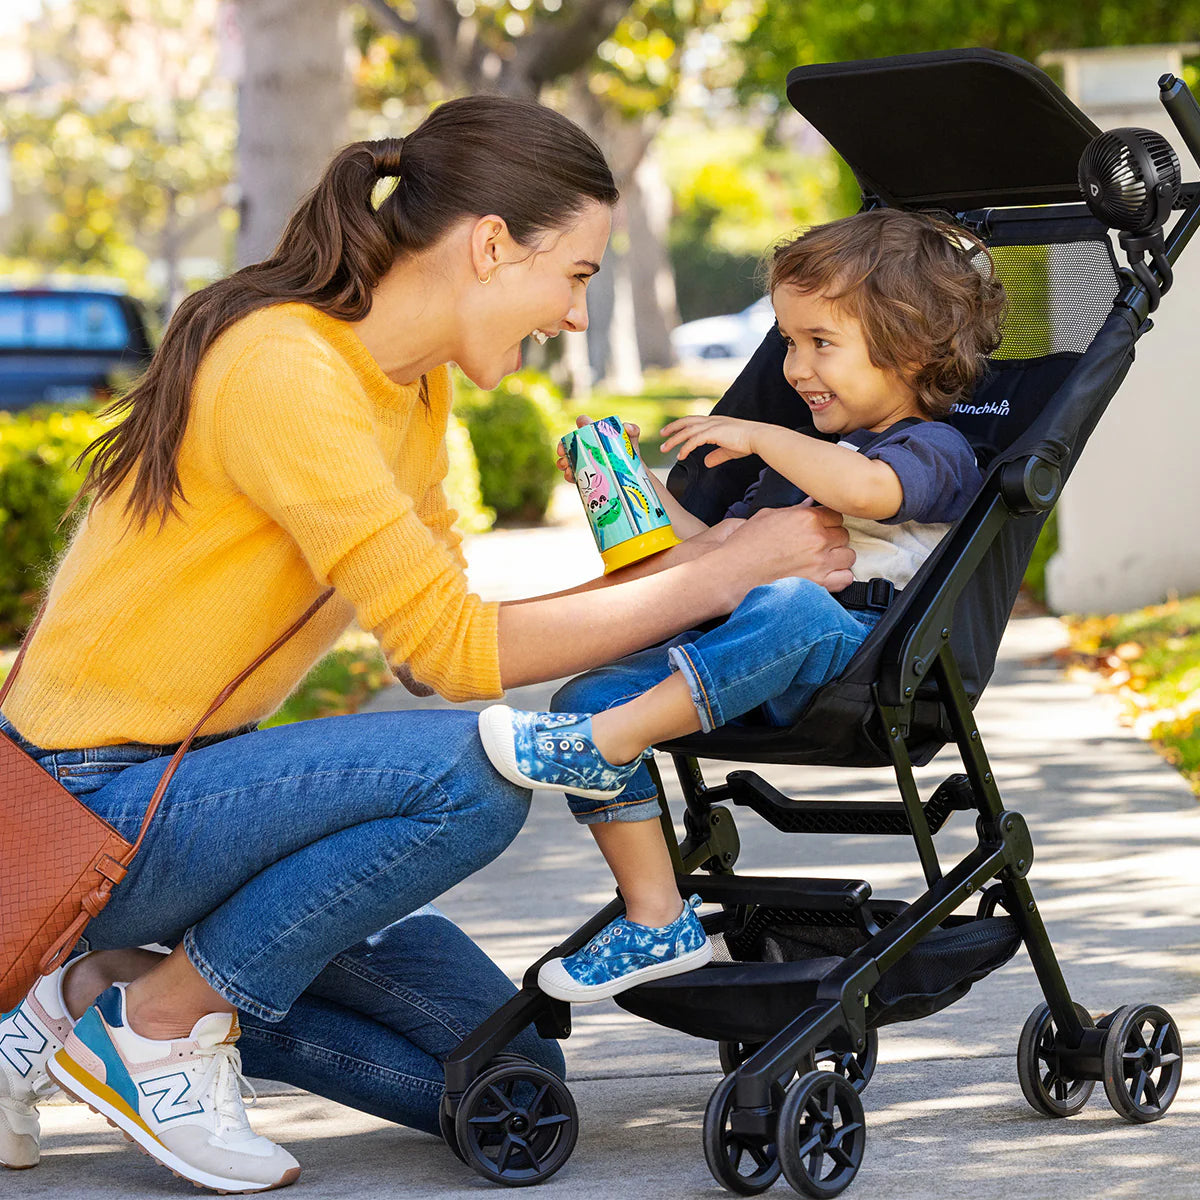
x,y
705,696
621,808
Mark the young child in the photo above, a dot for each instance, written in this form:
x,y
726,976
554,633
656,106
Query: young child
x,y
887,323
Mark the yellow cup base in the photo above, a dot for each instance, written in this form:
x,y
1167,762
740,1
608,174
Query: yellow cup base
x,y
634,549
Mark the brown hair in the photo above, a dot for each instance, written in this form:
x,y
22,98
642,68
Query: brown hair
x,y
468,158
914,287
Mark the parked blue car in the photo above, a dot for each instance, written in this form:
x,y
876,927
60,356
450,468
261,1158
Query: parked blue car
x,y
63,344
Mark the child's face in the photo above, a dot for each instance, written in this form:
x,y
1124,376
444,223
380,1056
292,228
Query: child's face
x,y
828,364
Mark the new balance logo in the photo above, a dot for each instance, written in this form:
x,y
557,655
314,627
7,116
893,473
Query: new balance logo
x,y
172,1092
20,1039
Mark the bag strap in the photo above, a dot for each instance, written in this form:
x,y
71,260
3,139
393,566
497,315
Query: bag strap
x,y
112,870
228,691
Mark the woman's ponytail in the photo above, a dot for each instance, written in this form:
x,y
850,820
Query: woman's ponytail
x,y
469,157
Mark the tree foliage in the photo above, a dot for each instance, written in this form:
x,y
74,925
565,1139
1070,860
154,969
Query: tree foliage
x,y
808,31
125,143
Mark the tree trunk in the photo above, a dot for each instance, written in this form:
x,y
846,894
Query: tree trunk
x,y
624,375
293,105
648,208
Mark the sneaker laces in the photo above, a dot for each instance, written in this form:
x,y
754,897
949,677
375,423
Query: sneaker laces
x,y
224,1074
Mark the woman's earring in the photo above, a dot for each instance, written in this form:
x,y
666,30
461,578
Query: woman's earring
x,y
485,278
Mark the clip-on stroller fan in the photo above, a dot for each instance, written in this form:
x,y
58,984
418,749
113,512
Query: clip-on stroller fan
x,y
808,969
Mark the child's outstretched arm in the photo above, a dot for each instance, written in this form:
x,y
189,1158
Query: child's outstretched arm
x,y
834,476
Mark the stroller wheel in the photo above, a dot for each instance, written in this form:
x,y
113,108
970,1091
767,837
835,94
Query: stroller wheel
x,y
446,1125
516,1124
1143,1061
446,1110
822,1134
1050,1093
744,1163
854,1066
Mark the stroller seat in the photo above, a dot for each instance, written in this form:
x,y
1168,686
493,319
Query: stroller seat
x,y
806,970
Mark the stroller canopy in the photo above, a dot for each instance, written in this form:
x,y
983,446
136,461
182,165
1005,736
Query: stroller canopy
x,y
955,129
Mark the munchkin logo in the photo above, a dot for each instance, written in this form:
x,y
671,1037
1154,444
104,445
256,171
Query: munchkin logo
x,y
983,410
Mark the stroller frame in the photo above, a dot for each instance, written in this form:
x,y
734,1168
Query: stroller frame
x,y
1061,1054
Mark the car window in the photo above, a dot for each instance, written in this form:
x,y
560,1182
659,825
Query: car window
x,y
62,322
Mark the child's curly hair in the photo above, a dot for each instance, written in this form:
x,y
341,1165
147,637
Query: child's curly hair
x,y
927,312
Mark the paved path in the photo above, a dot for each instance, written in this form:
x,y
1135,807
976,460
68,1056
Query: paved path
x,y
1117,874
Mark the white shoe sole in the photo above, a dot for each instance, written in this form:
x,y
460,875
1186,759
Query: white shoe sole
x,y
554,980
495,732
77,1088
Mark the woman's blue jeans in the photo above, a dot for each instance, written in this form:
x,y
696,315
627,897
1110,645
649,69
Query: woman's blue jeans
x,y
783,642
296,866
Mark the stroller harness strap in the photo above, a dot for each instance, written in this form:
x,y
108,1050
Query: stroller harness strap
x,y
870,595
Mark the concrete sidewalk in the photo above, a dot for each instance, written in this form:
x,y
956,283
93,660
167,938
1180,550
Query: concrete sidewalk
x,y
1117,874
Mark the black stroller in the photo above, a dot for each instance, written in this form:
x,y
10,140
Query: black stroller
x,y
808,969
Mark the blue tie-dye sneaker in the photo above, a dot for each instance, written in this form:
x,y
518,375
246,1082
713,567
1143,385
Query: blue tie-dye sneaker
x,y
550,752
624,954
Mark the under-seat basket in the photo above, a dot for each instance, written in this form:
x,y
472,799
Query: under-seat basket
x,y
768,964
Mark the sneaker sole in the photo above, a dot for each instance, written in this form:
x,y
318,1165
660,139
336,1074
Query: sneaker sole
x,y
578,994
495,732
81,1085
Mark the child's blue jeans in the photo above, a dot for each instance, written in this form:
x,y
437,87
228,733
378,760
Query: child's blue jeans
x,y
783,642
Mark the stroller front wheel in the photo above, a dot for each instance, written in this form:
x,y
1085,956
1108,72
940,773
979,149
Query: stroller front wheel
x,y
1046,1087
822,1134
1143,1062
744,1163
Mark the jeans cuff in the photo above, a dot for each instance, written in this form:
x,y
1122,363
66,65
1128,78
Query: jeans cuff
x,y
690,665
622,809
238,999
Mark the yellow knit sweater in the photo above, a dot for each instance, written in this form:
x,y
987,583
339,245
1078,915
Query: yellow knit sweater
x,y
302,466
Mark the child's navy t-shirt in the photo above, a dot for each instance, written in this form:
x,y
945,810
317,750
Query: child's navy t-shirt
x,y
939,477
933,461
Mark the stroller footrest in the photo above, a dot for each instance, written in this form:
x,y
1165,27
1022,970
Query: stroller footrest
x,y
814,895
751,790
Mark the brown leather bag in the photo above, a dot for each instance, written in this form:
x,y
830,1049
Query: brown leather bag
x,y
59,862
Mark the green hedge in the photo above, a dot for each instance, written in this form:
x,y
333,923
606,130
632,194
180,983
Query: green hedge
x,y
514,430
37,482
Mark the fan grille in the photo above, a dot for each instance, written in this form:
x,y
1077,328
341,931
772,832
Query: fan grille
x,y
1112,180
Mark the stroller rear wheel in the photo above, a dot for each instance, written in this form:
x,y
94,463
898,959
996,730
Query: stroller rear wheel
x,y
744,1163
822,1134
1143,1061
516,1124
1046,1087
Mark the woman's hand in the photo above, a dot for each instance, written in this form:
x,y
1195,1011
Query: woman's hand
x,y
779,542
564,464
733,438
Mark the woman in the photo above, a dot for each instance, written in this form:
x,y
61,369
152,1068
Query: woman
x,y
289,436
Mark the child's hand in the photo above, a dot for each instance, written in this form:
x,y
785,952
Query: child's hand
x,y
564,464
732,437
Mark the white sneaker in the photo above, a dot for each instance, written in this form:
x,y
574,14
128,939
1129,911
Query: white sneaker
x,y
29,1035
179,1100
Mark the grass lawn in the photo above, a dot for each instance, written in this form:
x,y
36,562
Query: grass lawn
x,y
1151,659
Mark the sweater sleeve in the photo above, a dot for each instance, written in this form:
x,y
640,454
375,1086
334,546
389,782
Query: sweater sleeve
x,y
437,515
296,434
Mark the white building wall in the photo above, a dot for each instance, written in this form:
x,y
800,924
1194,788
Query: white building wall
x,y
1129,519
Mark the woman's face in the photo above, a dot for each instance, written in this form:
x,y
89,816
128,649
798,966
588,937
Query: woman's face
x,y
540,289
